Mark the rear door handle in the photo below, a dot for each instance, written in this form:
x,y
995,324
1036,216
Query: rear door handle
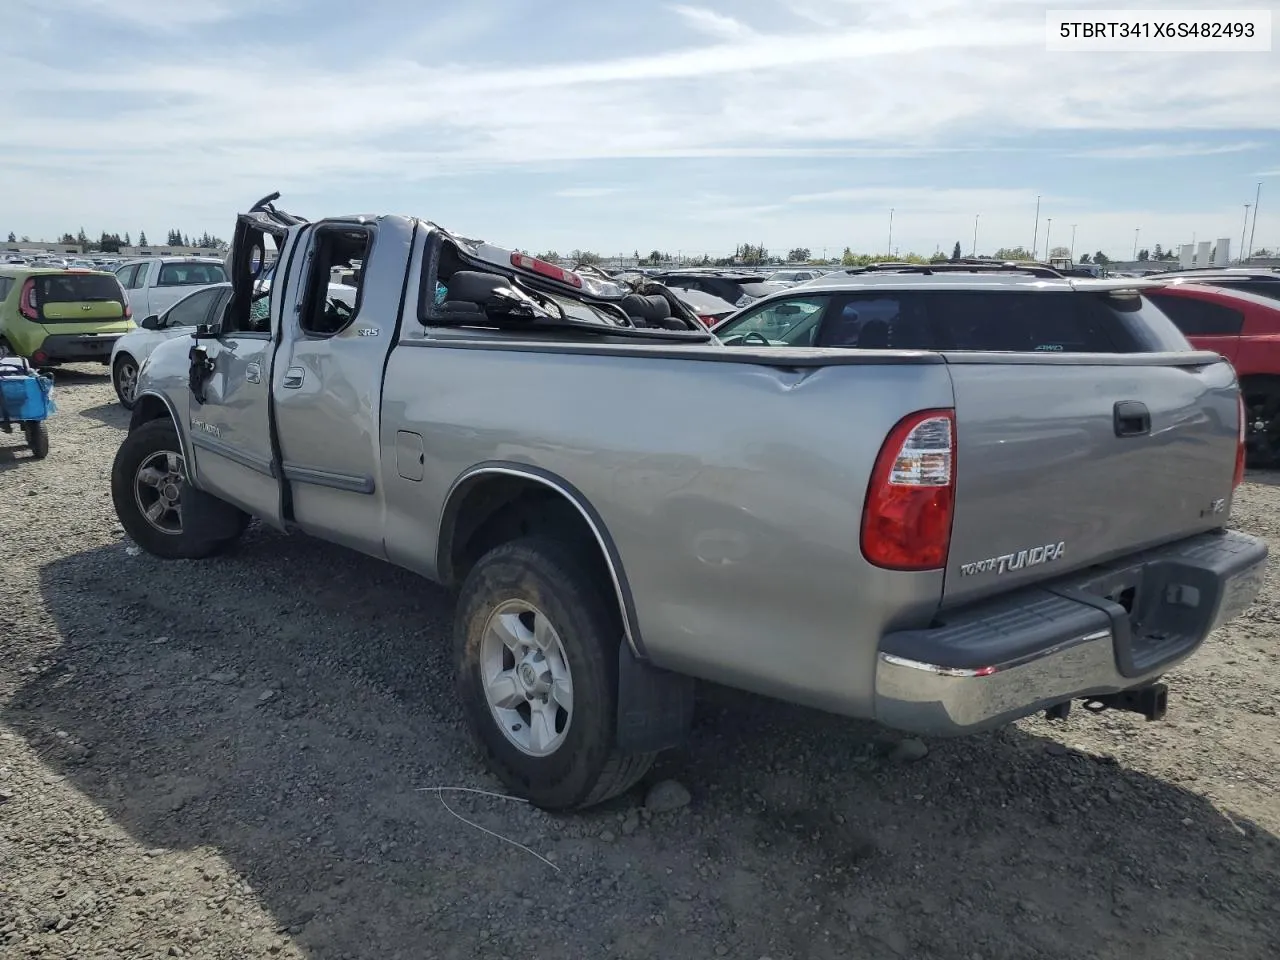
x,y
1132,418
293,378
253,373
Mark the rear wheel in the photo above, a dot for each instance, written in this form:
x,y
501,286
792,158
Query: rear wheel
x,y
537,647
124,377
37,436
147,480
1262,422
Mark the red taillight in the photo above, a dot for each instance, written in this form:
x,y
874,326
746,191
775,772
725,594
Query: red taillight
x,y
39,357
906,520
27,300
124,301
1240,446
526,262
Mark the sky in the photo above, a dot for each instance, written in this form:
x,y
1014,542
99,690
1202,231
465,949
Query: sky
x,y
685,127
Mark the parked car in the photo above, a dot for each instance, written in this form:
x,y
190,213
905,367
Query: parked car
x,y
155,284
736,287
710,310
789,278
1265,283
1244,326
943,539
56,315
958,308
203,305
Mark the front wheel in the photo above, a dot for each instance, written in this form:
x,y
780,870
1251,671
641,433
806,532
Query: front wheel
x,y
147,480
124,377
537,647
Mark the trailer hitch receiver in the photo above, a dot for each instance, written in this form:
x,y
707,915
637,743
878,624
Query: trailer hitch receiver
x,y
1151,700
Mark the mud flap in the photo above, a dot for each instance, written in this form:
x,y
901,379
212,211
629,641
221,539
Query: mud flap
x,y
205,517
655,707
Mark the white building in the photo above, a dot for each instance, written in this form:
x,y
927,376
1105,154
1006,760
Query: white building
x,y
38,247
164,250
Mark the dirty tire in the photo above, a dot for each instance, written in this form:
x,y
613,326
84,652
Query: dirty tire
x,y
37,435
587,768
124,367
141,443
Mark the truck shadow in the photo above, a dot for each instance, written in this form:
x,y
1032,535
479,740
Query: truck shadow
x,y
110,414
285,704
78,374
1267,476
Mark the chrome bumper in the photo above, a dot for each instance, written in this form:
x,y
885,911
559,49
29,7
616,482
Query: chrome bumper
x,y
1069,642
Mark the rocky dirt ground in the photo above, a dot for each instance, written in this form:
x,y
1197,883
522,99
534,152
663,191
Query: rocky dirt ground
x,y
230,759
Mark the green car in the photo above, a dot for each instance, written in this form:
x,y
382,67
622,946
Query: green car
x,y
52,315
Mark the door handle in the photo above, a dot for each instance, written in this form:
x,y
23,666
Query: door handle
x,y
253,373
293,378
1132,418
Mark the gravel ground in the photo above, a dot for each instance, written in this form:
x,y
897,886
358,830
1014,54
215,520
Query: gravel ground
x,y
227,759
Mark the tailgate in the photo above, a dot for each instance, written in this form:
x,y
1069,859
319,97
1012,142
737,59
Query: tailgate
x,y
1069,460
79,297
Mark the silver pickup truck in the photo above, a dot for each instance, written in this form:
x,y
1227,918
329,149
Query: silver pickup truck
x,y
943,540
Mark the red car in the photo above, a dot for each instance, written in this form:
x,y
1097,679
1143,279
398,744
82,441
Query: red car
x,y
1245,328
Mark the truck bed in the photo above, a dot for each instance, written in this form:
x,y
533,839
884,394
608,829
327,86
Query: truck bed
x,y
732,480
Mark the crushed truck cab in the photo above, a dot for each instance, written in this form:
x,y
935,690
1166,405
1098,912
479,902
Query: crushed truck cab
x,y
943,540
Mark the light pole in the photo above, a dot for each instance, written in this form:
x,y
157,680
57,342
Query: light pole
x,y
1072,254
1242,229
1256,198
1035,236
1048,226
974,252
891,231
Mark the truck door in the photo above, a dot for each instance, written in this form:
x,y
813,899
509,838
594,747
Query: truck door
x,y
230,380
328,377
135,280
171,282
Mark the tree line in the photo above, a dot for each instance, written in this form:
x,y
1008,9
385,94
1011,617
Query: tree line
x,y
749,254
113,242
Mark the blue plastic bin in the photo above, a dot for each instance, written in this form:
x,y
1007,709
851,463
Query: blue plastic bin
x,y
24,398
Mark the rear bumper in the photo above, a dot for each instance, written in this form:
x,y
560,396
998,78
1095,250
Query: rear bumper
x,y
79,347
1106,629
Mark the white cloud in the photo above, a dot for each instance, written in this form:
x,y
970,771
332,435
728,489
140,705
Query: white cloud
x,y
933,200
588,193
929,218
158,16
1162,151
713,24
174,124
